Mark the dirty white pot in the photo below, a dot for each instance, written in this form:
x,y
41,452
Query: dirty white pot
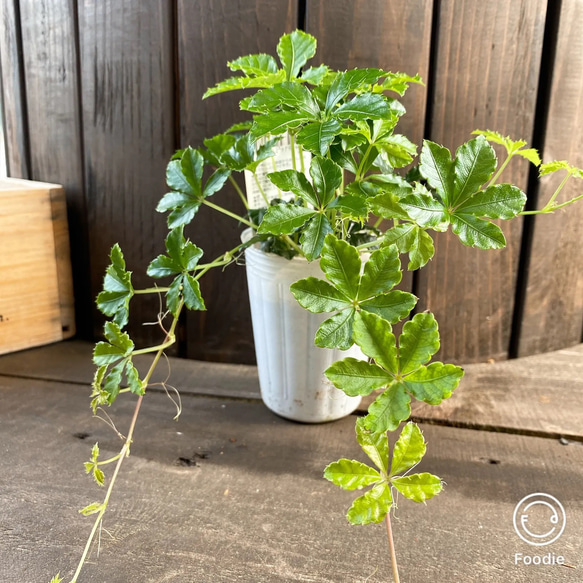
x,y
291,368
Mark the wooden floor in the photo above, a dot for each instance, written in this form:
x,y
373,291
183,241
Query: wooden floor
x,y
232,493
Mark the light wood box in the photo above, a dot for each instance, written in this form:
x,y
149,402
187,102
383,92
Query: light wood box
x,y
36,286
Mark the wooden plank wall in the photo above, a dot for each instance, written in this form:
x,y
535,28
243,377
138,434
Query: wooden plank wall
x,y
97,95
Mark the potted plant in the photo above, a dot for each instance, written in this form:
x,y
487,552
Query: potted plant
x,y
342,212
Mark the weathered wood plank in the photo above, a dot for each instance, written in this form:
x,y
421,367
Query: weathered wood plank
x,y
553,309
221,31
54,119
488,60
127,75
261,501
13,91
538,395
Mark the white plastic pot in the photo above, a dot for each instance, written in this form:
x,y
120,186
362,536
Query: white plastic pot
x,y
291,368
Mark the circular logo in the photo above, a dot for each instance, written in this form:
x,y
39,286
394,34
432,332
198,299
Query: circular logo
x,y
539,519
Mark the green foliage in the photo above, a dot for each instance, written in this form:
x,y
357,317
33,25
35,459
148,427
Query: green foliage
x,y
180,262
92,466
351,293
117,292
373,506
399,368
513,147
57,578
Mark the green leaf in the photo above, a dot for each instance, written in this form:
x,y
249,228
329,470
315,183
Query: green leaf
x,y
312,239
397,150
191,167
318,296
389,409
241,155
475,232
381,272
117,291
555,166
316,137
336,332
351,206
294,50
327,177
502,201
424,210
184,214
388,206
398,82
371,507
357,377
341,264
133,378
418,487
315,75
364,106
375,337
296,182
176,179
57,578
418,342
421,250
351,474
98,476
254,65
348,82
173,200
191,293
233,83
163,266
173,295
409,449
112,383
282,219
216,181
374,445
119,346
392,306
91,509
434,383
512,147
343,159
402,236
218,145
474,165
437,168
277,122
290,95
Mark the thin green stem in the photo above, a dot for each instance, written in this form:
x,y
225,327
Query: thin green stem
x,y
151,290
239,191
228,213
150,349
500,170
302,164
110,460
361,165
378,222
292,140
550,209
556,193
274,166
125,450
260,189
367,244
292,244
392,548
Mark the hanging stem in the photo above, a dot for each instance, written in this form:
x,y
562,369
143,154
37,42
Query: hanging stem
x,y
151,290
125,450
392,548
239,191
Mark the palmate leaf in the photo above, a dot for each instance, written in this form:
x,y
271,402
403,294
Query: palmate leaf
x,y
183,256
412,239
341,264
512,147
119,345
398,368
348,82
117,291
351,474
287,96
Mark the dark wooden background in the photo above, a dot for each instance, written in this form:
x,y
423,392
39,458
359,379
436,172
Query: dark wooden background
x,y
97,94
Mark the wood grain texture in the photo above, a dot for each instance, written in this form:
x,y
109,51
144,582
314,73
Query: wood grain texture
x,y
232,476
553,306
128,121
210,33
36,293
488,60
54,115
394,36
13,91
